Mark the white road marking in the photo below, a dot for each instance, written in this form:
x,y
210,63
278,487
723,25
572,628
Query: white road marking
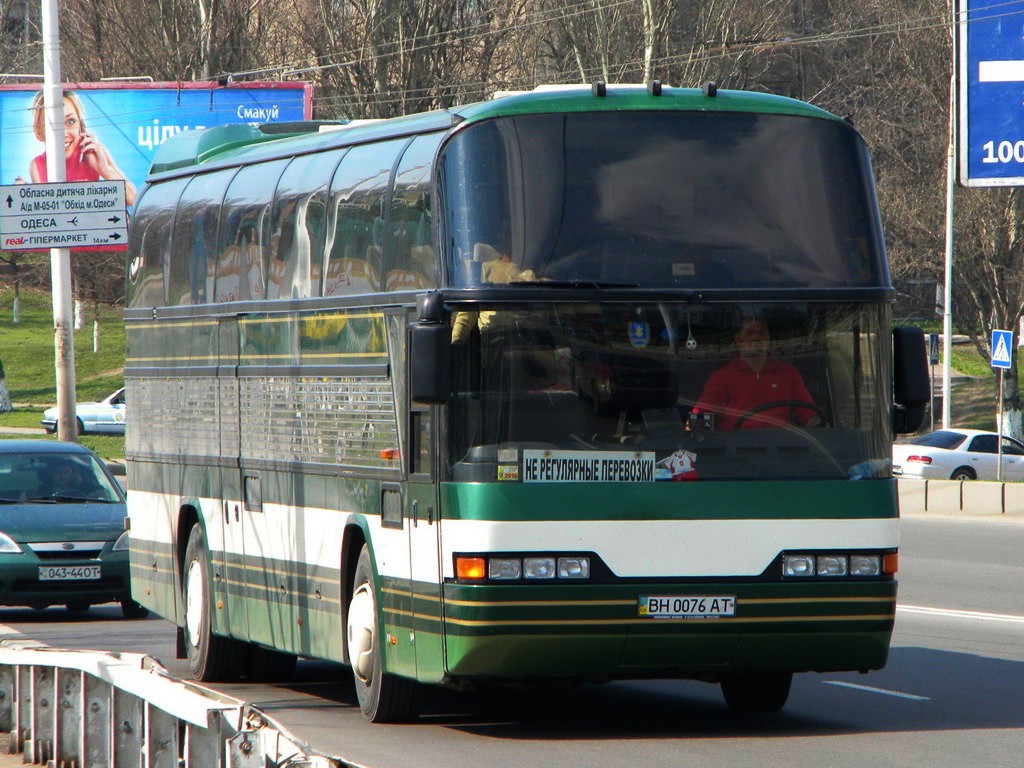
x,y
882,691
7,631
949,613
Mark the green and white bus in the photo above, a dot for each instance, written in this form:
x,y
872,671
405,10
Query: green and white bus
x,y
417,396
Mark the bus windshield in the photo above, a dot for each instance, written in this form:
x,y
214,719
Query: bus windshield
x,y
660,379
691,199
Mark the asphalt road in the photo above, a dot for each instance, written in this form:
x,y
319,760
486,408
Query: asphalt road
x,y
952,694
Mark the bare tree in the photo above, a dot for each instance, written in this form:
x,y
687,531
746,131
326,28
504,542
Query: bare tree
x,y
380,58
172,39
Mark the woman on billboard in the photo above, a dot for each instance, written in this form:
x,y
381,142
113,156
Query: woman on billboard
x,y
85,156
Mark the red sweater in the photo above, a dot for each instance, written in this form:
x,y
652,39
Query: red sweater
x,y
734,389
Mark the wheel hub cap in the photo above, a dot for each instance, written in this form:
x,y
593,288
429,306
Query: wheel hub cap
x,y
361,632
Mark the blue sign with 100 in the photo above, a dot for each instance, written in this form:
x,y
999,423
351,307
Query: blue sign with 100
x,y
991,92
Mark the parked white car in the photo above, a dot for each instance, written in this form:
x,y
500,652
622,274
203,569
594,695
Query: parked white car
x,y
958,454
106,417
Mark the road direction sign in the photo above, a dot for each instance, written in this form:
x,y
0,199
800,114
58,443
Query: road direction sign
x,y
990,73
69,214
1002,349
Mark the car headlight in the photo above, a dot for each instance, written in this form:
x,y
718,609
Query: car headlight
x,y
121,544
7,545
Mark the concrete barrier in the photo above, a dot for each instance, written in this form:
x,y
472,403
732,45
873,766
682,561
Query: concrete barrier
x,y
1013,500
976,498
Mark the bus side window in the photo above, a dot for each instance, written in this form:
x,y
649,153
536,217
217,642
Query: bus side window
x,y
412,261
194,244
297,242
247,231
153,222
357,198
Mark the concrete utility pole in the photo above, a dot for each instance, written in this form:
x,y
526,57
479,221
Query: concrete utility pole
x,y
60,258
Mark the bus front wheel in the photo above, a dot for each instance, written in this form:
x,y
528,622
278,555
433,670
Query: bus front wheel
x,y
383,698
210,657
763,692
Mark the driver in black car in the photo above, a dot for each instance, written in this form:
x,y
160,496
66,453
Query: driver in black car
x,y
738,392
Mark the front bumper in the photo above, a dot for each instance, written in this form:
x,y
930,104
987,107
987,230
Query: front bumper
x,y
21,585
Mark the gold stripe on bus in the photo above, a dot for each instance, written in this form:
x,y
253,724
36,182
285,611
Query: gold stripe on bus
x,y
326,355
303,318
161,325
659,621
276,591
589,603
165,359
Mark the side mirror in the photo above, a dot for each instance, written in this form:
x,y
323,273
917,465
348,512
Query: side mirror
x,y
430,353
911,387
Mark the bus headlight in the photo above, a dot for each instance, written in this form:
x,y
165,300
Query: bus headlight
x,y
865,565
502,568
539,567
574,567
798,565
832,565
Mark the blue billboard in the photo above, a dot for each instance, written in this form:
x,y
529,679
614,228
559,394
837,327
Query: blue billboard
x,y
112,130
991,93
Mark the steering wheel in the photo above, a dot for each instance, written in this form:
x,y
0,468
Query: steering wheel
x,y
782,404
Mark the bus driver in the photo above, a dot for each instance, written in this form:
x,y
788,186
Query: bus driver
x,y
752,380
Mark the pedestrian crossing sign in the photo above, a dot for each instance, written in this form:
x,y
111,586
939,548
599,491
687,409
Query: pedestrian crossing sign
x,y
1002,354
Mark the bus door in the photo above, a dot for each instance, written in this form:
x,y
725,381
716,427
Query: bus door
x,y
424,531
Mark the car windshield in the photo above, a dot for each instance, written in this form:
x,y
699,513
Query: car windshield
x,y
55,478
940,439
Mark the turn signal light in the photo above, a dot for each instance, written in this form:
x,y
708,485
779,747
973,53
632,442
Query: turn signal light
x,y
470,567
891,563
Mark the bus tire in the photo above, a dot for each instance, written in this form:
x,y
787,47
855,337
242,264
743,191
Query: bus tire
x,y
210,657
757,692
383,698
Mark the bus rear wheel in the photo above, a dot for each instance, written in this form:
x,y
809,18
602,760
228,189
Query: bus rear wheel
x,y
761,692
210,657
383,698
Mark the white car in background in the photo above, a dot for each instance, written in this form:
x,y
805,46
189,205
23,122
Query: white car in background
x,y
958,454
106,417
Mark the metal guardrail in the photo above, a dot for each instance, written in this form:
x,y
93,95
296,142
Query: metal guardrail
x,y
95,709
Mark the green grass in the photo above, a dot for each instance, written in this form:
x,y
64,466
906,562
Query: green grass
x,y
967,360
28,353
28,359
